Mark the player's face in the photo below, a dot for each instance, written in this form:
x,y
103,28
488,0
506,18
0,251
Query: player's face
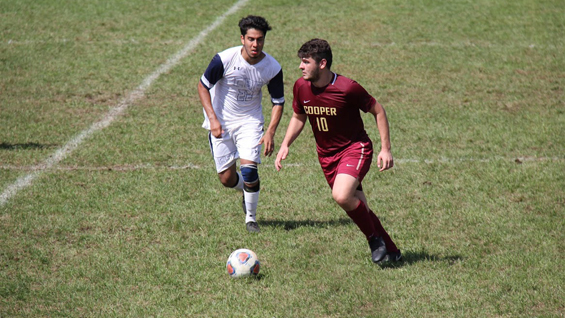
x,y
310,69
253,42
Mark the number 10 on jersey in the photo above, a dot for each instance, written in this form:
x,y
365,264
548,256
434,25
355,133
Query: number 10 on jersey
x,y
322,123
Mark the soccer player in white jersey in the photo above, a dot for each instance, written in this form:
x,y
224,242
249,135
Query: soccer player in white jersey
x,y
230,91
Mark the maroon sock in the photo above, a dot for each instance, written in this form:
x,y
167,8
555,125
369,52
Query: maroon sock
x,y
363,220
390,246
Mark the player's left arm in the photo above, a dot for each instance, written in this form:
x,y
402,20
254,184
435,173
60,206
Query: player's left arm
x,y
269,136
384,160
276,90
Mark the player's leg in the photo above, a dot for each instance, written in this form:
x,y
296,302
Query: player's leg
x,y
354,164
393,253
225,155
344,193
251,190
230,178
247,140
344,173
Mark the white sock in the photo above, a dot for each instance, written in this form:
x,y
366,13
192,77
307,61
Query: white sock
x,y
251,201
239,185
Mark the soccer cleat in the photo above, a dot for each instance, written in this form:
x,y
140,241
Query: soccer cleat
x,y
252,227
378,249
392,257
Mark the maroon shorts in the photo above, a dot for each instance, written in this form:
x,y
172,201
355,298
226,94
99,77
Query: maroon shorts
x,y
355,161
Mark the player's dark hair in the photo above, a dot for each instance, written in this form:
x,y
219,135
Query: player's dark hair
x,y
317,49
253,22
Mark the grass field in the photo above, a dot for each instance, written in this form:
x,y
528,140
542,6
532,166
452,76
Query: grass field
x,y
110,205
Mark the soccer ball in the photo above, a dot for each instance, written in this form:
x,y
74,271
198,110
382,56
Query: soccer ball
x,y
242,263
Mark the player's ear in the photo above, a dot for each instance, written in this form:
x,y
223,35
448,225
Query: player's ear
x,y
242,39
323,63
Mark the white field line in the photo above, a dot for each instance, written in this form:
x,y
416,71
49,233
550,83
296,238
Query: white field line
x,y
148,166
134,96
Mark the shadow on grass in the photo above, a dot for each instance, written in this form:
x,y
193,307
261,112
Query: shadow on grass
x,y
26,146
409,258
293,225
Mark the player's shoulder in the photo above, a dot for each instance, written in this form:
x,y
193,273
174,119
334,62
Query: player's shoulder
x,y
341,80
346,84
231,50
269,62
270,58
228,54
301,85
301,82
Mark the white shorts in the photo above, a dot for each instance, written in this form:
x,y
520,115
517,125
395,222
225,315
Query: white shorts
x,y
241,142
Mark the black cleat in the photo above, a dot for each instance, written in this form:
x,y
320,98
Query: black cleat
x,y
392,257
378,249
252,227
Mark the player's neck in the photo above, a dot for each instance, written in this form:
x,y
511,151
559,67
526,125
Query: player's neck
x,y
326,77
252,60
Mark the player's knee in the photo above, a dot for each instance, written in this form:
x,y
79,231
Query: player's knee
x,y
249,173
341,199
227,179
250,177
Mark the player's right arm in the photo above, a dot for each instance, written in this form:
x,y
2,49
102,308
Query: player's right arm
x,y
214,72
293,131
206,100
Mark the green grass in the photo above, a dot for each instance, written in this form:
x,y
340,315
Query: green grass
x,y
134,223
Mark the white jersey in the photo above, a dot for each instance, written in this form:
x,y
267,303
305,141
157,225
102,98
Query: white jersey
x,y
236,87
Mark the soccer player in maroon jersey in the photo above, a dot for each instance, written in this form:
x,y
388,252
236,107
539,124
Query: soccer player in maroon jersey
x,y
332,105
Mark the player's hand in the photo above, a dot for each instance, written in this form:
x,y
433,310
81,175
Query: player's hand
x,y
384,160
283,152
268,141
216,128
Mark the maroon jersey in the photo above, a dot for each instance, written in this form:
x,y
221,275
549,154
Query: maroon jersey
x,y
333,112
